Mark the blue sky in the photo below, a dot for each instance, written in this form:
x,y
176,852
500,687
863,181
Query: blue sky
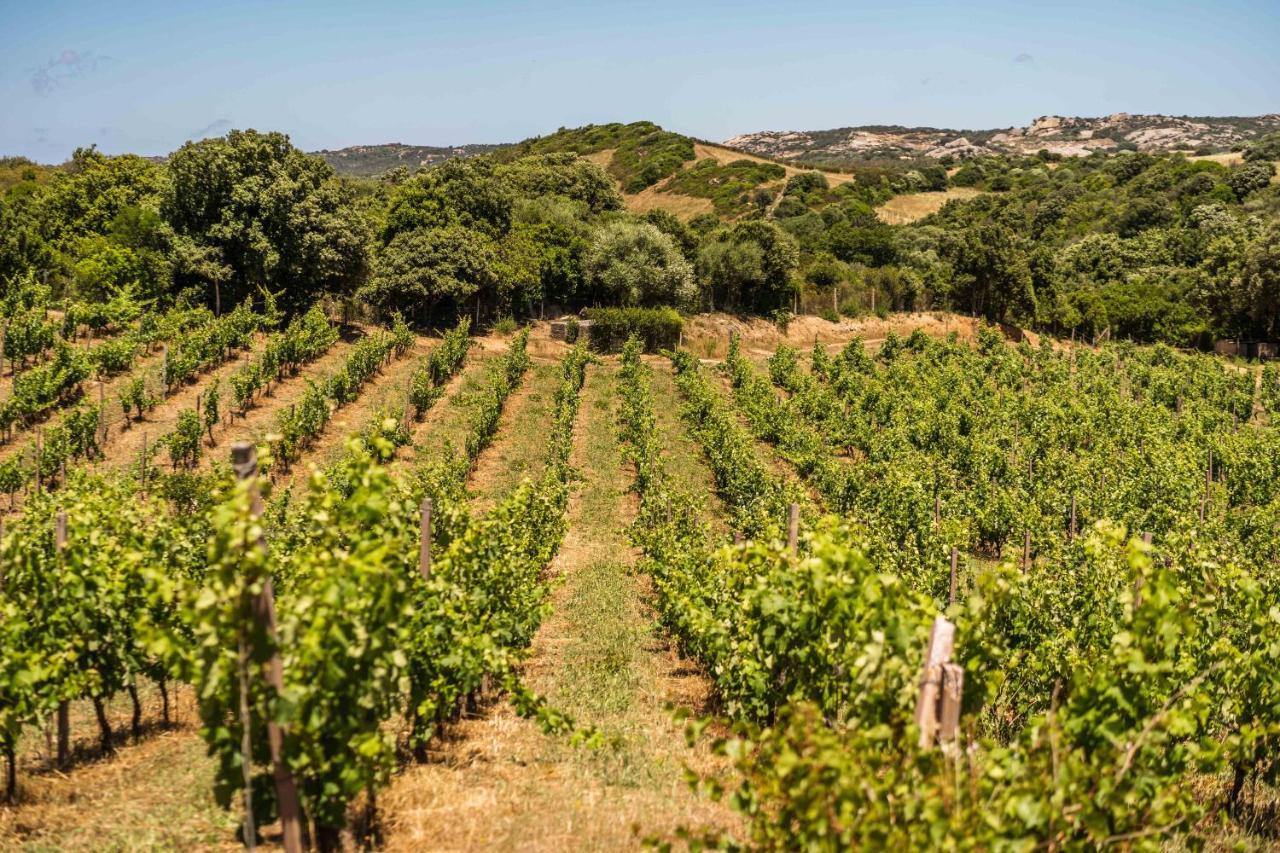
x,y
146,76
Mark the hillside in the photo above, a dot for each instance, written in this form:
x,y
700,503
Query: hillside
x,y
658,169
1065,135
366,161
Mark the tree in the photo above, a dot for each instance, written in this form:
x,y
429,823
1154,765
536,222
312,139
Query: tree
x,y
750,266
419,270
269,215
467,192
871,245
563,174
992,274
805,182
684,237
1249,178
1259,281
633,263
1265,148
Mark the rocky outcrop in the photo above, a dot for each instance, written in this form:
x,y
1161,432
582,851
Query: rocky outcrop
x,y
1070,136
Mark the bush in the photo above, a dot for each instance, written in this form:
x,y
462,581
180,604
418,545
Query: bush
x,y
506,326
657,328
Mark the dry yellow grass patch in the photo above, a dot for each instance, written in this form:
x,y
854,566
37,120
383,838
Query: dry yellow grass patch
x,y
1226,158
905,209
677,204
724,156
685,206
600,158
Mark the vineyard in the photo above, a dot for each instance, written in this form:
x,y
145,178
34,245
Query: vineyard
x,y
283,581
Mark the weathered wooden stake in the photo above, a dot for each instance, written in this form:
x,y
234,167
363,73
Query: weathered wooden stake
x,y
941,641
424,547
39,455
955,562
102,413
244,460
1026,550
1071,531
793,528
949,706
142,477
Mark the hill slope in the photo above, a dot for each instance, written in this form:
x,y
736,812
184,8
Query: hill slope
x,y
1066,135
661,169
366,161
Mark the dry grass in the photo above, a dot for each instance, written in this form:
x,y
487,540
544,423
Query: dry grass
x,y
707,335
519,447
679,205
1226,158
905,209
724,156
686,206
388,391
497,783
153,794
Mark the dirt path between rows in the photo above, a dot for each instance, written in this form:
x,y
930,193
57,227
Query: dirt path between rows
x,y
495,782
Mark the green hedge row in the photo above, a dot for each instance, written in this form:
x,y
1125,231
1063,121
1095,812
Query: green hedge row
x,y
657,328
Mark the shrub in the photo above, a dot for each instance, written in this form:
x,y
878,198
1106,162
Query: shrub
x,y
657,328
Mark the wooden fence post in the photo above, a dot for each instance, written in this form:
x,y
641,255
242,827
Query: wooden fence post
x,y
39,455
955,562
244,460
142,477
1026,550
793,528
941,642
164,369
424,547
1071,531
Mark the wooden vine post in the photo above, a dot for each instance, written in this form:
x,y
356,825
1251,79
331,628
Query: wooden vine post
x,y
1208,480
424,547
793,528
244,460
64,707
142,476
1026,550
941,687
1137,582
955,563
102,413
39,455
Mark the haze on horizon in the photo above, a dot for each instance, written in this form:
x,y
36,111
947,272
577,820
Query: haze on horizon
x,y
145,76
